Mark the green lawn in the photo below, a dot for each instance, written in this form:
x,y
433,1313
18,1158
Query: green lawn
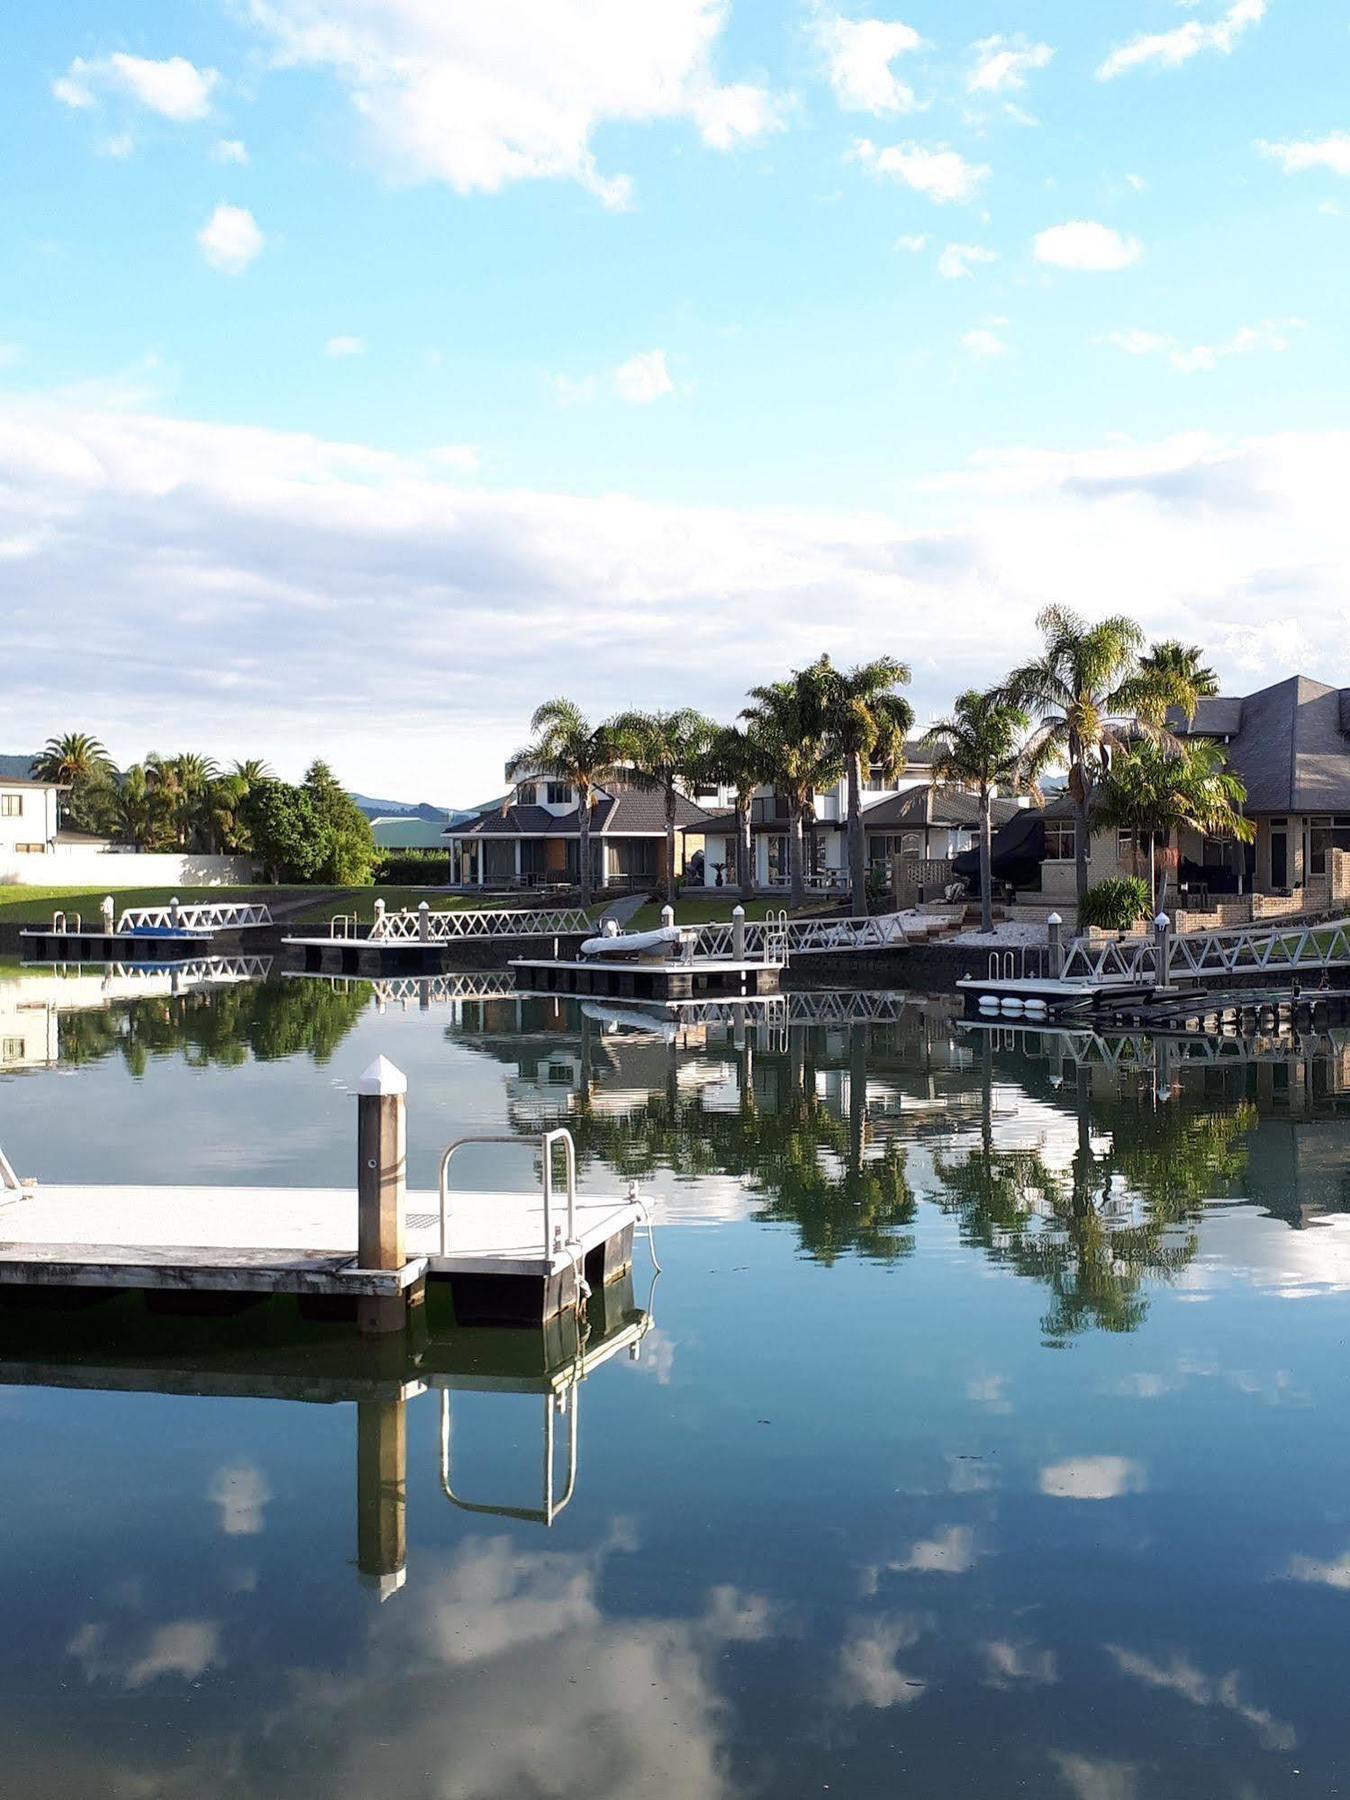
x,y
35,905
712,909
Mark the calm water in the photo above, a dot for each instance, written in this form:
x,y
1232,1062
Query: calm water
x,y
988,1435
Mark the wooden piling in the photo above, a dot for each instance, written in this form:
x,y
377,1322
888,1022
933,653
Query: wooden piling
x,y
381,1187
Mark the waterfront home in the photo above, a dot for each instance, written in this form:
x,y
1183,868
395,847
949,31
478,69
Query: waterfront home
x,y
905,815
1290,746
534,839
29,822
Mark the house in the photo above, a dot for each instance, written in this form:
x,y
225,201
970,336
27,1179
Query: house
x,y
1289,744
29,825
534,838
903,815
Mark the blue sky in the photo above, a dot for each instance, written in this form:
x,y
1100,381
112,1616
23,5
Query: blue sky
x,y
424,359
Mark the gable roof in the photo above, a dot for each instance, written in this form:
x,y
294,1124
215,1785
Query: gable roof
x,y
636,812
1290,747
943,806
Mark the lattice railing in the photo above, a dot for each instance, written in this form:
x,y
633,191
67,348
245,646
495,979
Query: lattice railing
x,y
883,931
215,916
445,927
1244,949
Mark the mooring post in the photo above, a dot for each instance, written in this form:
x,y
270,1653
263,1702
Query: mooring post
x,y
738,933
377,929
1162,941
424,922
381,1184
382,1495
174,915
667,916
107,910
1055,927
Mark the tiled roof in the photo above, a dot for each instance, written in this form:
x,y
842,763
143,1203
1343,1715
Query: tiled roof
x,y
950,807
1290,748
636,812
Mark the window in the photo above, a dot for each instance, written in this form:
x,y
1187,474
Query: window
x,y
1326,834
30,849
559,794
1059,840
778,860
876,782
11,806
11,1049
1124,846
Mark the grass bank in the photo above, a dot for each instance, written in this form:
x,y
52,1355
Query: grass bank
x,y
35,905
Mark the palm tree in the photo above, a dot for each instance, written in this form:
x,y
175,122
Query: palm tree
x,y
566,748
181,788
1089,693
737,759
865,717
1153,789
75,756
789,719
980,745
1183,665
663,751
135,808
254,769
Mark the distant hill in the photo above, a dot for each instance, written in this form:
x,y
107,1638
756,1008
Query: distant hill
x,y
402,809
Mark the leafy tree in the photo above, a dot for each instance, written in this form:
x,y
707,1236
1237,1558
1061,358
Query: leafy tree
x,y
1089,695
288,832
864,718
347,847
664,751
1154,789
789,718
135,808
980,745
180,798
565,747
83,765
1182,665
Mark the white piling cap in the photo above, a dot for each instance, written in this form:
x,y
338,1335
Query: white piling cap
x,y
425,906
1162,921
738,912
1054,919
382,1078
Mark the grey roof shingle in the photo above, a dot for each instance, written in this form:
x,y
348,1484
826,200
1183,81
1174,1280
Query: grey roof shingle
x,y
950,807
1291,749
636,812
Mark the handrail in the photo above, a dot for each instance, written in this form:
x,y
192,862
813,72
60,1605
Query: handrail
x,y
61,928
547,1140
544,1515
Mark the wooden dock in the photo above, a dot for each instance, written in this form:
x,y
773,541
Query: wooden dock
x,y
508,1257
673,979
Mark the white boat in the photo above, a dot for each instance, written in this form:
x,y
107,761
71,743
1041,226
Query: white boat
x,y
633,943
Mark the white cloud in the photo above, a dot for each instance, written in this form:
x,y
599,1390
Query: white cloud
x,y
1002,64
1331,152
1180,1676
957,260
230,239
119,146
867,1673
185,1648
1093,1778
1084,245
1009,1665
1170,49
952,1552
241,1492
983,344
913,241
345,346
643,378
859,54
170,553
1092,1478
943,175
482,96
1270,334
175,88
229,150
1333,1574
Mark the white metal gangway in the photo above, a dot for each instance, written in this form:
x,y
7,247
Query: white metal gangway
x,y
805,937
225,915
1239,950
423,925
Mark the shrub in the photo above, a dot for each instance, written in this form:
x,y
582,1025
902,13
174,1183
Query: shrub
x,y
1115,905
413,868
